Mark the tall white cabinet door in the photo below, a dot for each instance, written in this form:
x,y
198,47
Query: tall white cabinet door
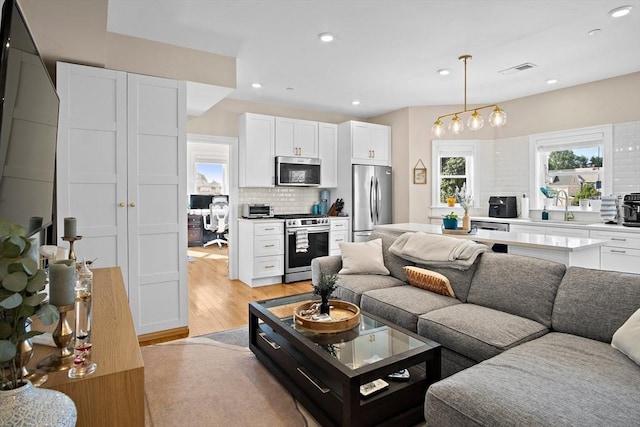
x,y
91,161
328,149
157,205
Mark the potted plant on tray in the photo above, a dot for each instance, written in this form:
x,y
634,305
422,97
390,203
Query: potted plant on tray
x,y
450,221
324,288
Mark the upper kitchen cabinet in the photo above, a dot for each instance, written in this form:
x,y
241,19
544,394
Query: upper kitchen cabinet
x,y
256,150
296,137
368,143
328,150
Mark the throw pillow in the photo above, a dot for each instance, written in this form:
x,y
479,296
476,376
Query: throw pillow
x,y
627,337
363,258
429,280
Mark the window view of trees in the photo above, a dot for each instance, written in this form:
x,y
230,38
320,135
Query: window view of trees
x,y
567,159
453,172
577,173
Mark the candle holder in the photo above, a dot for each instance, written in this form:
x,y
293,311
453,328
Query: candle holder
x,y
71,240
62,335
23,356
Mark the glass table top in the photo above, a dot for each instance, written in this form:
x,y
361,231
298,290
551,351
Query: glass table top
x,y
369,342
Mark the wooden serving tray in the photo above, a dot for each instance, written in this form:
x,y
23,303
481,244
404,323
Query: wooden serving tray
x,y
457,231
344,316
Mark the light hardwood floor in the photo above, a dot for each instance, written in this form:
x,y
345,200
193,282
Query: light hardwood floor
x,y
217,303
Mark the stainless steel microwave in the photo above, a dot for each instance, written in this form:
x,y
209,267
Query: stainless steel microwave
x,y
257,210
297,171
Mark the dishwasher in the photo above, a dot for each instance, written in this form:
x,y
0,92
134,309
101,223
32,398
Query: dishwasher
x,y
493,226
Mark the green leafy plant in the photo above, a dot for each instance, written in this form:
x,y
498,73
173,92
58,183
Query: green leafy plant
x,y
326,285
587,191
21,298
451,215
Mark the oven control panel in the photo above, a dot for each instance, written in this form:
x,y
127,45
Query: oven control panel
x,y
306,222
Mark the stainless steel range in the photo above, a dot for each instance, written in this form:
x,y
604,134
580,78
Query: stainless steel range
x,y
306,236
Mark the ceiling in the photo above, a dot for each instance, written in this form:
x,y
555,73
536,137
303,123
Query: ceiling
x,y
386,53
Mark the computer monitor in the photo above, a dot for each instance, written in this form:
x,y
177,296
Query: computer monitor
x,y
199,201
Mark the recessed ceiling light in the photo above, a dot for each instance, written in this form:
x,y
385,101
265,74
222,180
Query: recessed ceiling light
x,y
256,85
326,37
551,81
594,32
620,11
444,71
355,102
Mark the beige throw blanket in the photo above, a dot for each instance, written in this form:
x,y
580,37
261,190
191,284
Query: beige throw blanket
x,y
436,250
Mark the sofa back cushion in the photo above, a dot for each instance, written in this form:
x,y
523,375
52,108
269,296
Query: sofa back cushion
x,y
595,303
516,284
394,263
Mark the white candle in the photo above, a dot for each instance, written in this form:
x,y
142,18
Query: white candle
x,y
62,282
70,227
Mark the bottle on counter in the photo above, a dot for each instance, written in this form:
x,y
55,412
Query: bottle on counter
x,y
545,214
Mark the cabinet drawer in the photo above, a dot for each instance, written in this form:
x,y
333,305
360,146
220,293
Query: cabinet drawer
x,y
268,228
338,225
268,245
620,259
337,237
619,240
268,266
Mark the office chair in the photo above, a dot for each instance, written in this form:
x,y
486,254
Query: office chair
x,y
219,210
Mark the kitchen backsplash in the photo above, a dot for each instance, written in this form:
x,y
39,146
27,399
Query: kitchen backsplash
x,y
285,200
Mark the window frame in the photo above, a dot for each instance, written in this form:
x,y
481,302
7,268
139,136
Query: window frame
x,y
454,148
555,141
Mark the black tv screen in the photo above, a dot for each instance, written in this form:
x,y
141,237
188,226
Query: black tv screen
x,y
199,201
28,126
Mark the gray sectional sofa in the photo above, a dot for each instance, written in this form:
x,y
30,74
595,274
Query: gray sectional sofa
x,y
524,342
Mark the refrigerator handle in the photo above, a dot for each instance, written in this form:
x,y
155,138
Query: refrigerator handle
x,y
371,195
377,200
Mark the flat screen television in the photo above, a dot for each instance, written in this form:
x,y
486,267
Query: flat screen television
x,y
28,127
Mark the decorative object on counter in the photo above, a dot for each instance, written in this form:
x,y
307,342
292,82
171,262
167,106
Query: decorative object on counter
x,y
24,353
451,202
336,208
498,117
466,200
524,207
450,221
82,364
545,214
587,190
324,202
31,406
70,229
22,298
608,209
324,288
344,316
419,174
71,241
62,282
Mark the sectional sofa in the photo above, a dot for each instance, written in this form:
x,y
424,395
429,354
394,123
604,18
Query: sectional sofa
x,y
524,341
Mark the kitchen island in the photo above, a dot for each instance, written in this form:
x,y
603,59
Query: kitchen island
x,y
571,251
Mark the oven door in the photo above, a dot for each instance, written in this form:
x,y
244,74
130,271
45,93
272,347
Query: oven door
x,y
301,261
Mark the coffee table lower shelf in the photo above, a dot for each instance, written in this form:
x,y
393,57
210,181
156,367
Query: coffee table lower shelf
x,y
331,394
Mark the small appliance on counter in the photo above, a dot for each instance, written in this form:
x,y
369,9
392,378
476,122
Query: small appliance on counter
x,y
324,202
257,210
503,207
631,210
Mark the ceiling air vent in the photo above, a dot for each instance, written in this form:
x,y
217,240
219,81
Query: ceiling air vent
x,y
517,68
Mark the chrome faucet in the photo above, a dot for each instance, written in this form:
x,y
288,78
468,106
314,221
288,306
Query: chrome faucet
x,y
568,216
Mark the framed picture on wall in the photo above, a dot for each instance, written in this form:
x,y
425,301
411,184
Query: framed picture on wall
x,y
420,173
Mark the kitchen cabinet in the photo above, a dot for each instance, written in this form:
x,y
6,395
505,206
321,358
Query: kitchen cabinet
x,y
365,143
121,171
261,245
338,233
566,231
328,151
621,253
295,137
529,229
256,150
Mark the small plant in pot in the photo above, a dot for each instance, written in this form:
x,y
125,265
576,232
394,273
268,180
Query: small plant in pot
x,y
21,298
450,221
324,288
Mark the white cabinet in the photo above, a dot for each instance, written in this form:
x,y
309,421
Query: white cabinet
x,y
528,229
121,171
261,249
256,150
622,253
296,137
338,233
566,231
367,143
328,150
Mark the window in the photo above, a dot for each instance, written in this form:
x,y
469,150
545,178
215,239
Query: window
x,y
571,165
210,178
452,166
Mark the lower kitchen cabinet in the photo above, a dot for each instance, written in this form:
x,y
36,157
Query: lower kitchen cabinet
x,y
338,233
622,253
261,250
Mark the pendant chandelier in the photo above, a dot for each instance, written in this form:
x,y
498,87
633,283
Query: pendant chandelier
x,y
497,118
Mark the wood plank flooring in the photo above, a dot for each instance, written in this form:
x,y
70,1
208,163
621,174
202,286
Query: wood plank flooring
x,y
217,303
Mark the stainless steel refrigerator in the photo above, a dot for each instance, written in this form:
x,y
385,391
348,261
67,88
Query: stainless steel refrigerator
x,y
371,199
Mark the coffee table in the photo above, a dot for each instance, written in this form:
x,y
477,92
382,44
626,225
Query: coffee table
x,y
325,372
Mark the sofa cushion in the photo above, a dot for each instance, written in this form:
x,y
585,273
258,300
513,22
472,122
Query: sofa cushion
x,y
595,303
393,263
556,380
429,280
402,305
460,280
515,284
627,337
351,287
362,258
477,332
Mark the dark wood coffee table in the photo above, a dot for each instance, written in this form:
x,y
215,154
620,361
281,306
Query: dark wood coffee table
x,y
325,371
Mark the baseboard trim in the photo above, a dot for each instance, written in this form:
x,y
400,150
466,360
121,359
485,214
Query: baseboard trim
x,y
163,336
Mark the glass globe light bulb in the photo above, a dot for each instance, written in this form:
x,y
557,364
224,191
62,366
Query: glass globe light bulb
x,y
476,121
498,117
456,125
438,128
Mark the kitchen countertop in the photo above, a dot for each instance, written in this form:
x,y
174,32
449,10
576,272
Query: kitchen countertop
x,y
537,241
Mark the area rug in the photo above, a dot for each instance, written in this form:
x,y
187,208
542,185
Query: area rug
x,y
238,336
201,382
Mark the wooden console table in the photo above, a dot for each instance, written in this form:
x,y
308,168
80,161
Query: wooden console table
x,y
114,394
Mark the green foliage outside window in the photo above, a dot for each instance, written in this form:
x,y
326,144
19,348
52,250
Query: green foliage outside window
x,y
453,172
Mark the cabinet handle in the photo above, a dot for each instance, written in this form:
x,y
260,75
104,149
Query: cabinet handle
x,y
618,239
132,204
339,240
269,266
269,246
273,344
374,153
314,381
269,229
122,204
615,251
